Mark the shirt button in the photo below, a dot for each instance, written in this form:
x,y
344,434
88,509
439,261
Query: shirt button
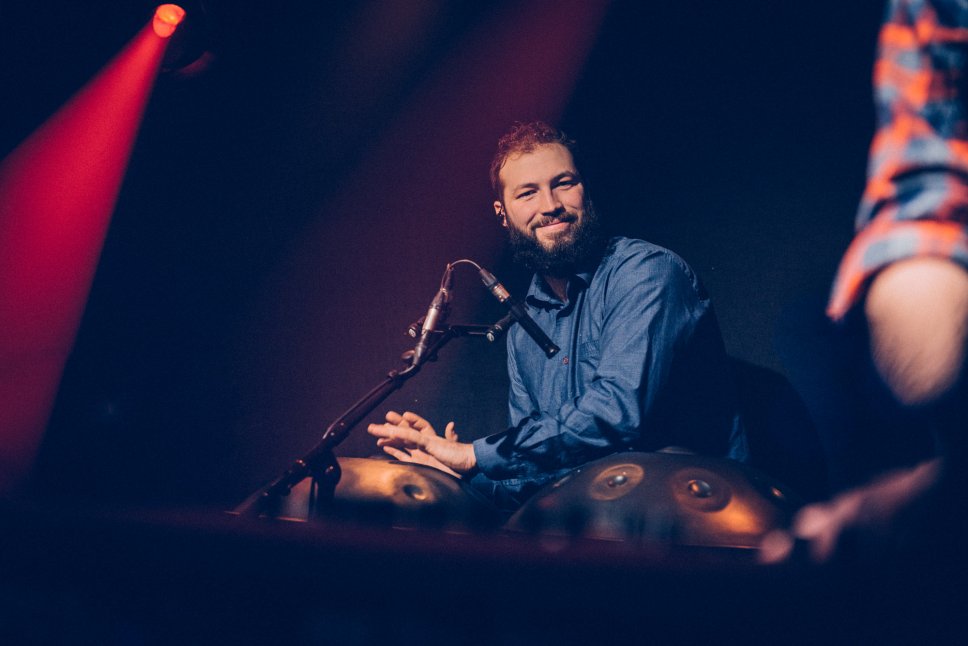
x,y
565,360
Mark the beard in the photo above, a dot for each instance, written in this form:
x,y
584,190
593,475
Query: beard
x,y
568,253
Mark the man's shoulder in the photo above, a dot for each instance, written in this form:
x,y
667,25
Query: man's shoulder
x,y
634,252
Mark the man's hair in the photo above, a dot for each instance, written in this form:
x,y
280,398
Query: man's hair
x,y
524,138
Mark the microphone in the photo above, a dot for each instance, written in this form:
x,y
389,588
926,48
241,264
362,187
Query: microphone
x,y
414,328
519,313
495,331
436,315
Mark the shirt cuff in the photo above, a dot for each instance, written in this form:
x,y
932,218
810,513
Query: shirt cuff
x,y
487,457
885,242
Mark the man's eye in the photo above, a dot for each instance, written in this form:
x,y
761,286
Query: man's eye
x,y
567,183
525,194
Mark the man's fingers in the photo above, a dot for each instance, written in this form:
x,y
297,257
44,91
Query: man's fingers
x,y
394,452
822,525
449,432
818,524
776,547
395,418
400,433
409,419
416,421
812,520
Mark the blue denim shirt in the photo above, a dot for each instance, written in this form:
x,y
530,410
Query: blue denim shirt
x,y
641,367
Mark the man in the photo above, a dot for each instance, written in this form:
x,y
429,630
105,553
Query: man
x,y
642,364
902,292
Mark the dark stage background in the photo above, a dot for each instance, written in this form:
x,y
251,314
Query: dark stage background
x,y
289,209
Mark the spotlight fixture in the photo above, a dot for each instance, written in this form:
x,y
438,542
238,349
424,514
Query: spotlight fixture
x,y
167,17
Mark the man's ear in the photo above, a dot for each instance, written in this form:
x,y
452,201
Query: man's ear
x,y
501,213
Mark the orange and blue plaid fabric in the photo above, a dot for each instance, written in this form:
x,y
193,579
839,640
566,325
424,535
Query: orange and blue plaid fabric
x,y
916,199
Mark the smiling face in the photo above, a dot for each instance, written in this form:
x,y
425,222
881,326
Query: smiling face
x,y
551,223
542,196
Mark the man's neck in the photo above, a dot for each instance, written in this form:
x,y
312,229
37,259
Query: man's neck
x,y
558,285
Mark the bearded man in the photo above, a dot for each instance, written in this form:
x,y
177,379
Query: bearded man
x,y
642,365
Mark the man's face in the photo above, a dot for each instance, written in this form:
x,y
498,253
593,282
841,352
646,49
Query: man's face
x,y
551,225
543,197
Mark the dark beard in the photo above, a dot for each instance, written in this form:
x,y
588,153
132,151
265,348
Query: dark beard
x,y
580,249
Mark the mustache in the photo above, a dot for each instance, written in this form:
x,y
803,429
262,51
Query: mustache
x,y
544,221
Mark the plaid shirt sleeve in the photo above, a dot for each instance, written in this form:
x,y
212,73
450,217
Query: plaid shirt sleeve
x,y
916,199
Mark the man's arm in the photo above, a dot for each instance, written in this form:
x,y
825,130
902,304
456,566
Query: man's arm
x,y
917,314
907,268
915,203
651,310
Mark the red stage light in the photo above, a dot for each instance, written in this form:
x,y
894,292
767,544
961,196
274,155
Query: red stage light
x,y
58,189
167,17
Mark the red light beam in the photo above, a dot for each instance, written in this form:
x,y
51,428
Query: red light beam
x,y
57,192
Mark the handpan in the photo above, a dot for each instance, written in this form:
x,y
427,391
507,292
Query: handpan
x,y
394,492
661,498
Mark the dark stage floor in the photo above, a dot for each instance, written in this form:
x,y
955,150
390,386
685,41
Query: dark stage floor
x,y
89,576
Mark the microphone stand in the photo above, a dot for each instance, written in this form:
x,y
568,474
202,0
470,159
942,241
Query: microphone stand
x,y
320,463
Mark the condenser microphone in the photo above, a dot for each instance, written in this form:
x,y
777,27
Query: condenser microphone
x,y
519,313
436,315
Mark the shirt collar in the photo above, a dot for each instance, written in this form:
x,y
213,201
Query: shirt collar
x,y
540,294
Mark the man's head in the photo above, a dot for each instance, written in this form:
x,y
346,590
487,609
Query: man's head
x,y
542,202
524,138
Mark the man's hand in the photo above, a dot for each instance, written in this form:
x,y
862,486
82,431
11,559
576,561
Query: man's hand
x,y
878,512
411,438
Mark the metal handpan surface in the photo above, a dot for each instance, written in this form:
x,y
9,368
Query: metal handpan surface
x,y
400,492
660,497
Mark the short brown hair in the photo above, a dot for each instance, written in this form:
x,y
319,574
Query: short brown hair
x,y
524,138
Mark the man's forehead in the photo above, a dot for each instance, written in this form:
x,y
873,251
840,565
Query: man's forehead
x,y
552,158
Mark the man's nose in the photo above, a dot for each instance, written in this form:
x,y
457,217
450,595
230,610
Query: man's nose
x,y
549,202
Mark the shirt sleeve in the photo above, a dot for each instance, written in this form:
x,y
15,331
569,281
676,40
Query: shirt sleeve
x,y
916,199
651,308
